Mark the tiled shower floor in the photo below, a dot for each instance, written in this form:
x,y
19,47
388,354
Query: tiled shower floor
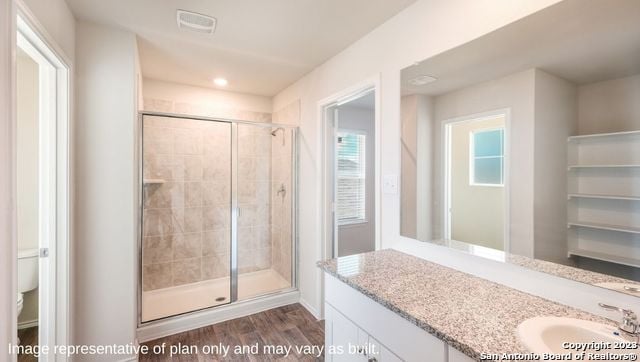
x,y
166,302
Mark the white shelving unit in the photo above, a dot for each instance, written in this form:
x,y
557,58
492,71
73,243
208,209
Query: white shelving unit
x,y
610,227
578,167
606,197
617,135
603,174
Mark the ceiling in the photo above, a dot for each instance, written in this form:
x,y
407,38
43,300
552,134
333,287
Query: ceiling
x,y
583,41
260,46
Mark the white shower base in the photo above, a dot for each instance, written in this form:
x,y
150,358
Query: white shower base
x,y
161,303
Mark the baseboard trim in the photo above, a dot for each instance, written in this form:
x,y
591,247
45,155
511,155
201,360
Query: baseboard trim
x,y
187,322
28,324
311,309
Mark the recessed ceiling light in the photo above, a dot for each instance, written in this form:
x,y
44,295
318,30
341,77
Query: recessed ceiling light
x,y
220,82
422,80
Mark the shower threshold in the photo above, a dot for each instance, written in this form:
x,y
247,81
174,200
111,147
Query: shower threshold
x,y
167,302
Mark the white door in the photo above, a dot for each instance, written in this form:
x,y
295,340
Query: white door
x,y
50,152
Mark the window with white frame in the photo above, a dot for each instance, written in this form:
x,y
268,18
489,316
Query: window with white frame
x,y
487,158
351,177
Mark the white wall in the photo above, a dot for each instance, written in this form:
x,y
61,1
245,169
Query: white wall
x,y
8,299
424,173
609,106
106,173
409,158
360,238
556,118
207,97
417,163
424,29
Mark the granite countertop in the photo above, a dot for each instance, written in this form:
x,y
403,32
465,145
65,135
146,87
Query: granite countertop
x,y
563,271
469,313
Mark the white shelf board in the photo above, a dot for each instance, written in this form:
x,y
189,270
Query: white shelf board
x,y
603,135
154,181
600,226
577,167
607,197
605,257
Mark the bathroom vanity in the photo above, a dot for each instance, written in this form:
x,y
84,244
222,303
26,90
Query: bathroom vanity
x,y
391,306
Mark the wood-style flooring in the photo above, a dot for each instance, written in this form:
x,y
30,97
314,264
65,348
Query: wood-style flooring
x,y
28,337
290,325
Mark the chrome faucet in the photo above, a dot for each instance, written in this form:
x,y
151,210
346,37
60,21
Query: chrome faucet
x,y
629,325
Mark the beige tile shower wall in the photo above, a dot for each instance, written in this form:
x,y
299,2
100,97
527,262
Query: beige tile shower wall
x,y
281,175
254,198
186,222
281,193
203,110
171,97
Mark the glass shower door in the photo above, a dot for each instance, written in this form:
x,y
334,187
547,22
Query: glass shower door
x,y
186,215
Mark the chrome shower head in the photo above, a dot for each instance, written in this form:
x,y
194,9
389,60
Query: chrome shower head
x,y
273,133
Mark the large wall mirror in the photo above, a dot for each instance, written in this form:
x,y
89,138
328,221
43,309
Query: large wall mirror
x,y
524,145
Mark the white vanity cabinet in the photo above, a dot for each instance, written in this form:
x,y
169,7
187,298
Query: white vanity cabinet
x,y
355,343
354,322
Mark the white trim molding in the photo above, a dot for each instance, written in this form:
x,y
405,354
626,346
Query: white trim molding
x,y
326,246
314,312
8,303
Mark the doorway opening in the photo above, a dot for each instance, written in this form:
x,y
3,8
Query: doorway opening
x,y
476,180
42,191
351,169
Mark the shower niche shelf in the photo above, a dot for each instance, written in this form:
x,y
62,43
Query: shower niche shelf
x,y
154,181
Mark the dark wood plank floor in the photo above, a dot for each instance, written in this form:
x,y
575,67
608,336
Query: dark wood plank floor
x,y
290,325
28,337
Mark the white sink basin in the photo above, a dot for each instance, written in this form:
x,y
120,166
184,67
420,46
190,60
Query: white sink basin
x,y
548,334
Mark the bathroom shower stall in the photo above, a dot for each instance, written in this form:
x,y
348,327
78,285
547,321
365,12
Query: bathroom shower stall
x,y
217,213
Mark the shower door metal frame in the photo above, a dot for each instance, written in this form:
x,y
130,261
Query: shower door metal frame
x,y
234,273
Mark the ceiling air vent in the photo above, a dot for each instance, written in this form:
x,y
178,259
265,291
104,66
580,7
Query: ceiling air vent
x,y
196,22
422,80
